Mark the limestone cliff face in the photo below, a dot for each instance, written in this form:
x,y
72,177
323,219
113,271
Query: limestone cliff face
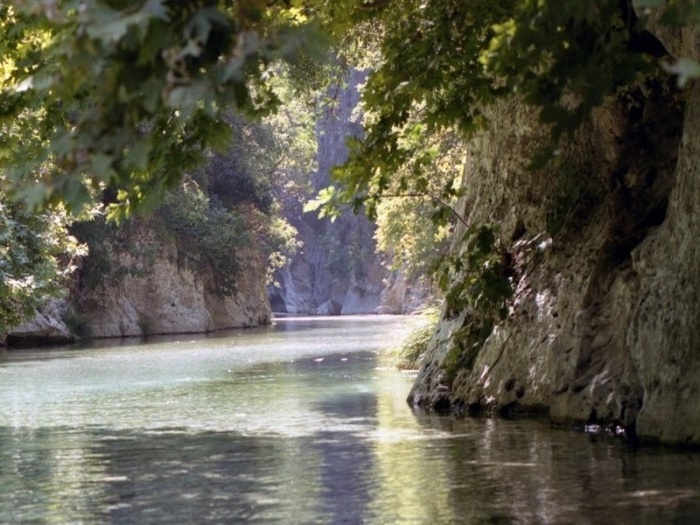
x,y
403,295
603,327
150,290
48,326
336,271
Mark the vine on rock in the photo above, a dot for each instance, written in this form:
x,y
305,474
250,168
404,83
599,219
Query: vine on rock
x,y
477,281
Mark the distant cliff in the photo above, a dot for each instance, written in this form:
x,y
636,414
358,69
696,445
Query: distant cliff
x,y
336,271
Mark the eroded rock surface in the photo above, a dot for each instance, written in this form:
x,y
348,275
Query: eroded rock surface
x,y
146,294
46,327
603,327
337,270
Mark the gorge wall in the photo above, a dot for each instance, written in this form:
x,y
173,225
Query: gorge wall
x,y
152,289
603,326
337,270
140,283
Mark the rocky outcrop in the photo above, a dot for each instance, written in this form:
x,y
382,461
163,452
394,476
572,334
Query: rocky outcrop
x,y
602,328
47,327
337,270
149,289
402,295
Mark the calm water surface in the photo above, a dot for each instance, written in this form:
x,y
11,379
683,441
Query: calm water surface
x,y
296,423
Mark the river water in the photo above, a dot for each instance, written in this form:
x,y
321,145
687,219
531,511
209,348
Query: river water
x,y
296,423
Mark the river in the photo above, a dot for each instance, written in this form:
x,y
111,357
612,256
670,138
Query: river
x,y
296,423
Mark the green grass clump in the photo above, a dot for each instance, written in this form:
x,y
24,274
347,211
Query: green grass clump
x,y
409,355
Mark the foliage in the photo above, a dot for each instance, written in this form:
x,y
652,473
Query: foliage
x,y
414,222
279,243
206,231
226,205
266,172
408,236
444,62
476,279
128,95
37,255
409,355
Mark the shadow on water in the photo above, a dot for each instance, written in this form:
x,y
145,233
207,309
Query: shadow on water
x,y
501,475
347,464
168,477
239,431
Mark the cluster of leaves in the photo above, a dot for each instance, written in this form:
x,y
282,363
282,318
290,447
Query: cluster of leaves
x,y
37,255
205,230
279,243
414,222
128,95
407,235
222,214
444,62
476,279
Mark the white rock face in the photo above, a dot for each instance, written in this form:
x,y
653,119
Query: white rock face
x,y
47,326
170,298
337,271
402,296
603,326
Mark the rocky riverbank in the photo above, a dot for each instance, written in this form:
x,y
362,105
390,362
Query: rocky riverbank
x,y
602,327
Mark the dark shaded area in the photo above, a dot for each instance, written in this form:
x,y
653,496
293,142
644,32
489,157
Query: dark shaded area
x,y
347,466
505,472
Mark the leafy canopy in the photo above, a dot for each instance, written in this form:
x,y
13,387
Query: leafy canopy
x,y
127,95
37,255
444,61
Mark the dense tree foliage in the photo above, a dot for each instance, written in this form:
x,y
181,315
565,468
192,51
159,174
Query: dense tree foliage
x,y
124,94
128,95
414,223
443,62
117,99
37,255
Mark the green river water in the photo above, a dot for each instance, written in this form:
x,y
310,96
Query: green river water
x,y
296,423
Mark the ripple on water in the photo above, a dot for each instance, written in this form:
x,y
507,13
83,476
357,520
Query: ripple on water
x,y
296,424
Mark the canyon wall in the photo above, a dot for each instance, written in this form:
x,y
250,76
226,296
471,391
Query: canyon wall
x,y
603,328
141,283
337,270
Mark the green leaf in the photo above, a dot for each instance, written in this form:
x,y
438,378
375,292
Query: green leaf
x,y
101,165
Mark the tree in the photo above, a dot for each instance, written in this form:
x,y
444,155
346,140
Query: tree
x,y
444,62
123,94
37,255
126,95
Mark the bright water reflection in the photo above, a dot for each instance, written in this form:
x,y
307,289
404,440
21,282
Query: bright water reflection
x,y
295,424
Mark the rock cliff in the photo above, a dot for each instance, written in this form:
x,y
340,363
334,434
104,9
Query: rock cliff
x,y
149,288
140,282
602,327
48,326
337,270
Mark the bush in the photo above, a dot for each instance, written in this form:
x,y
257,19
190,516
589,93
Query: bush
x,y
409,355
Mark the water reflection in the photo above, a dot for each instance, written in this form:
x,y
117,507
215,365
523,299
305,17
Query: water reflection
x,y
287,426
